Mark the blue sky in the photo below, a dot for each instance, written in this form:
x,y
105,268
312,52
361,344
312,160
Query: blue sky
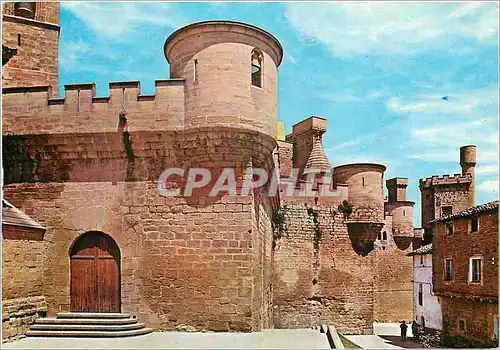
x,y
376,71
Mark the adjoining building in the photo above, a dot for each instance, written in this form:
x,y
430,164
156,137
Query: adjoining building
x,y
464,254
465,274
87,168
427,310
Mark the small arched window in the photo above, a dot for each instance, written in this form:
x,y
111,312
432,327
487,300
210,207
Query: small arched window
x,y
379,236
25,9
384,236
256,68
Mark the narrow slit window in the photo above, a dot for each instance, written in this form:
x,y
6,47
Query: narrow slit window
x,y
256,68
195,70
123,99
18,39
384,236
363,180
78,101
404,212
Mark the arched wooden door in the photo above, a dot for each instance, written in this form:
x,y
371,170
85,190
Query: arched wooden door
x,y
95,274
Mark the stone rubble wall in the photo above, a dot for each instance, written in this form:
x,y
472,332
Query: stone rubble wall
x,y
19,314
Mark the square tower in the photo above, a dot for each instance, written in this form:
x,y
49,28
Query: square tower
x,y
30,44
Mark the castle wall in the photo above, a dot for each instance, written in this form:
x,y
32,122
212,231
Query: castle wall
x,y
318,277
33,111
185,261
455,196
393,290
262,238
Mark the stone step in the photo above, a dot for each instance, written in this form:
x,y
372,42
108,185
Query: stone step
x,y
86,327
96,334
88,321
113,315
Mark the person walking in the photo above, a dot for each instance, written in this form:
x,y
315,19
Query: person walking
x,y
404,328
414,329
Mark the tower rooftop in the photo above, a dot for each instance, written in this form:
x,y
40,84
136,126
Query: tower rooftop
x,y
230,26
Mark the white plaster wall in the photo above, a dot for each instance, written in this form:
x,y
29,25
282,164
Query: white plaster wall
x,y
431,309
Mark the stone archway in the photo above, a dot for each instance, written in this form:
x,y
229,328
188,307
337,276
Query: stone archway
x,y
95,273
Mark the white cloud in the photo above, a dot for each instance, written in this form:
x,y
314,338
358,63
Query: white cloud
x,y
348,29
487,169
117,18
489,186
345,97
436,128
470,103
71,52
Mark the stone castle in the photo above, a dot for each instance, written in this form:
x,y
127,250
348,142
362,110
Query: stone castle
x,y
86,168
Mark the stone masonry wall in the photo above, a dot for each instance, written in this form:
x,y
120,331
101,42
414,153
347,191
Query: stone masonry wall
x,y
22,280
393,291
37,43
318,277
186,261
262,297
31,113
182,264
456,196
22,262
479,320
18,314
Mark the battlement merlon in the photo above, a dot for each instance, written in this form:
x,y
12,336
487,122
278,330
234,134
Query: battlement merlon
x,y
316,125
30,110
446,180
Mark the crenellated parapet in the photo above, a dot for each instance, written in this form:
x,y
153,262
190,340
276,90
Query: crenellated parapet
x,y
445,180
34,110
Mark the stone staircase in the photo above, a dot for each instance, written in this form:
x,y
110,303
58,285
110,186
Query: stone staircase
x,y
86,324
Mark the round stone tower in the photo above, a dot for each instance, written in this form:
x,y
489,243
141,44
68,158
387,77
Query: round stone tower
x,y
468,164
366,196
230,72
366,193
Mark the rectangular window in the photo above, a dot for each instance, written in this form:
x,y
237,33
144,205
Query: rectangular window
x,y
474,224
421,259
448,270
449,228
446,211
420,295
461,324
475,266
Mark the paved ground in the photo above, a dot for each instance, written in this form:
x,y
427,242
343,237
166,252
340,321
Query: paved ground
x,y
387,336
271,339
